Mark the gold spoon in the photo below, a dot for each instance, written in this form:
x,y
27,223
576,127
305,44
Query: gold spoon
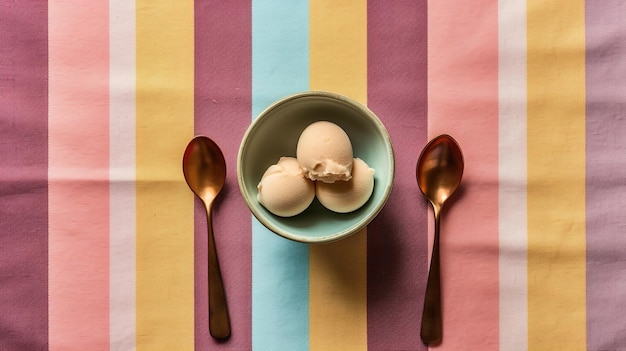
x,y
439,171
205,172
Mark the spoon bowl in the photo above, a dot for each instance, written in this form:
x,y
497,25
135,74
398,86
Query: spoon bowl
x,y
439,172
204,168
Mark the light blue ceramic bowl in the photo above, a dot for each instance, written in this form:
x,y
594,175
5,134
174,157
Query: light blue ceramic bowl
x,y
275,132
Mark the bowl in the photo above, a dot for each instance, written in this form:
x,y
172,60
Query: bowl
x,y
275,132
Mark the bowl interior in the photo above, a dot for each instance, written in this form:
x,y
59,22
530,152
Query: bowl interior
x,y
275,134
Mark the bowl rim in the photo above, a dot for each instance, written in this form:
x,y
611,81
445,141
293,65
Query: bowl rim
x,y
358,225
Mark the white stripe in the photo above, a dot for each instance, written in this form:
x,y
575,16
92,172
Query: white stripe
x,y
122,173
512,175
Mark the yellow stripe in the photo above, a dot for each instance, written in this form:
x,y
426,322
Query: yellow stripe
x,y
338,271
556,175
165,239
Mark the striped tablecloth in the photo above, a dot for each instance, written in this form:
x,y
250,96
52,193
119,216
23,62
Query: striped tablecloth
x,y
103,247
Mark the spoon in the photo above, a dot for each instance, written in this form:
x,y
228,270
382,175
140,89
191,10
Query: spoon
x,y
439,171
205,172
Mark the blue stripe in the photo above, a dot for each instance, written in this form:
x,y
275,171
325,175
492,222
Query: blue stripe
x,y
280,268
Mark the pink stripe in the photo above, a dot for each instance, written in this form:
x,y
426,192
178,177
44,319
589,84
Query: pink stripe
x,y
222,112
397,244
463,102
606,172
23,175
78,175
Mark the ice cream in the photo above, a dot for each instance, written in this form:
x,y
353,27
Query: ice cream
x,y
284,190
324,152
347,196
324,168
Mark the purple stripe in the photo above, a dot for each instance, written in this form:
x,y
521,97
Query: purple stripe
x,y
23,175
223,90
398,247
606,174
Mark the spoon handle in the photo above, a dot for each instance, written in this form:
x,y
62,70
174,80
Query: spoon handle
x,y
431,329
219,322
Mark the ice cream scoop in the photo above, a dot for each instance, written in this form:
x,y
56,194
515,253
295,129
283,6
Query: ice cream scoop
x,y
324,151
347,196
284,190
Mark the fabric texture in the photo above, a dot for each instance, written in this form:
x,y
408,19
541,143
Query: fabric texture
x,y
104,247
